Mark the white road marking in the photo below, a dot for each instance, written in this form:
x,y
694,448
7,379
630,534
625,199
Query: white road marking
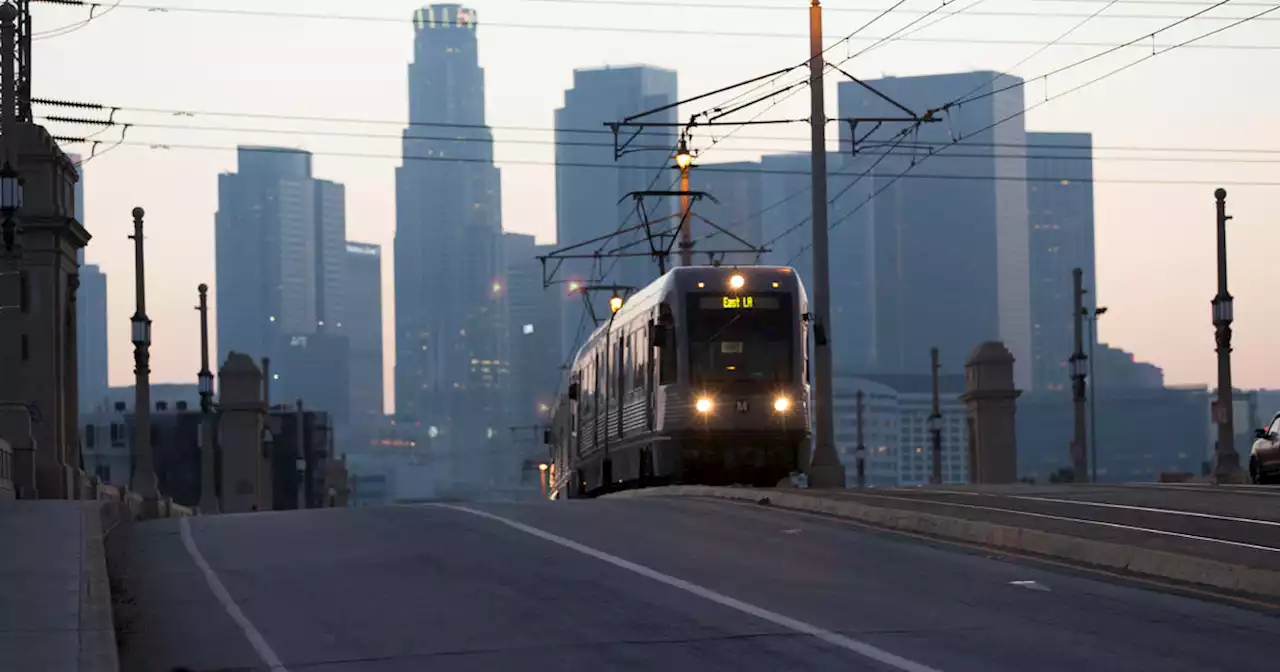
x,y
1148,509
251,633
794,530
1033,585
850,644
1083,521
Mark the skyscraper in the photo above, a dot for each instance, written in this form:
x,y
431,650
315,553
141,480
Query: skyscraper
x,y
587,197
950,239
362,323
736,208
1060,201
533,328
785,216
449,299
274,231
91,319
331,252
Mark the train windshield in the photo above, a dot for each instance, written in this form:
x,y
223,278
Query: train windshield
x,y
741,338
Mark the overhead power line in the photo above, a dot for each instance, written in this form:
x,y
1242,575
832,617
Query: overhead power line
x,y
694,32
923,146
902,149
906,173
873,10
710,169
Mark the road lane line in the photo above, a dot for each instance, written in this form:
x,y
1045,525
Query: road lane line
x,y
1069,519
848,643
1148,509
251,633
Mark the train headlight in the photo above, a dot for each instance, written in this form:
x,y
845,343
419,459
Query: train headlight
x,y
781,404
703,405
737,281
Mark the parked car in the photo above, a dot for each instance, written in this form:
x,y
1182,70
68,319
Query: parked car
x,y
1264,458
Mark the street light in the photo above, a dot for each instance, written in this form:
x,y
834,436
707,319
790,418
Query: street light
x,y
10,201
683,158
1093,395
615,303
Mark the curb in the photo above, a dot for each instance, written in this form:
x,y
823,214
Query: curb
x,y
1149,562
97,627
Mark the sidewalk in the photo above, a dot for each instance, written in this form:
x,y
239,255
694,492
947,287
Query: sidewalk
x,y
55,601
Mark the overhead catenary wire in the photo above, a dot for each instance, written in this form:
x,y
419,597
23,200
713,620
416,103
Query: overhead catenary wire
x,y
969,97
701,33
393,157
905,173
900,147
1113,49
191,113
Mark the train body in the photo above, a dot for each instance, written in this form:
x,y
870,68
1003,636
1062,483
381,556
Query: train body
x,y
700,377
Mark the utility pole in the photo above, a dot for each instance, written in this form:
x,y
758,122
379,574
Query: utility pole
x,y
825,470
301,462
1226,462
208,487
935,421
862,448
144,473
1078,362
684,161
1093,396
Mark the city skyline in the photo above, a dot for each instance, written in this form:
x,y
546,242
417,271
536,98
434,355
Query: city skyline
x,y
1153,313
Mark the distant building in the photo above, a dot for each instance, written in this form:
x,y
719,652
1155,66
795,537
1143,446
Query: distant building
x,y
948,242
363,328
784,220
1060,203
533,333
91,337
317,450
588,195
1114,368
281,266
895,417
736,187
1140,433
107,447
450,335
331,254
91,318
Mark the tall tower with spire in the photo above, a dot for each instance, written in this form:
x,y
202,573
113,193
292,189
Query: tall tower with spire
x,y
450,294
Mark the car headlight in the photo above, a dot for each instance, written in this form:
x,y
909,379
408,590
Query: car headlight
x,y
703,405
781,404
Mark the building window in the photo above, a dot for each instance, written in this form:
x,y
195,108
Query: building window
x,y
88,436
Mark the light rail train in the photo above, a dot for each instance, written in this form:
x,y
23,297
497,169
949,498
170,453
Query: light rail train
x,y
700,377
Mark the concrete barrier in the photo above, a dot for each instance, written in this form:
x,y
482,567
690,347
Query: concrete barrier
x,y
1136,559
97,627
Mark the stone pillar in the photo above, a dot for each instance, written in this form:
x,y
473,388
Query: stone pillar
x,y
37,345
71,391
246,474
991,400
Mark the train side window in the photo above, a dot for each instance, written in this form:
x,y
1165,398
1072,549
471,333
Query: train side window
x,y
667,356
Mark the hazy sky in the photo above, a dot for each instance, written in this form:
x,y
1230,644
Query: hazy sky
x,y
1155,242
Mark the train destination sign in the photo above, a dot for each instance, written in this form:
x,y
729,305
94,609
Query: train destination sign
x,y
743,302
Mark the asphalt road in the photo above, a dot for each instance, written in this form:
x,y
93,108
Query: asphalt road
x,y
647,584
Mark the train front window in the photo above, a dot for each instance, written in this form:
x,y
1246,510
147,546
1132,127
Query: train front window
x,y
740,338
